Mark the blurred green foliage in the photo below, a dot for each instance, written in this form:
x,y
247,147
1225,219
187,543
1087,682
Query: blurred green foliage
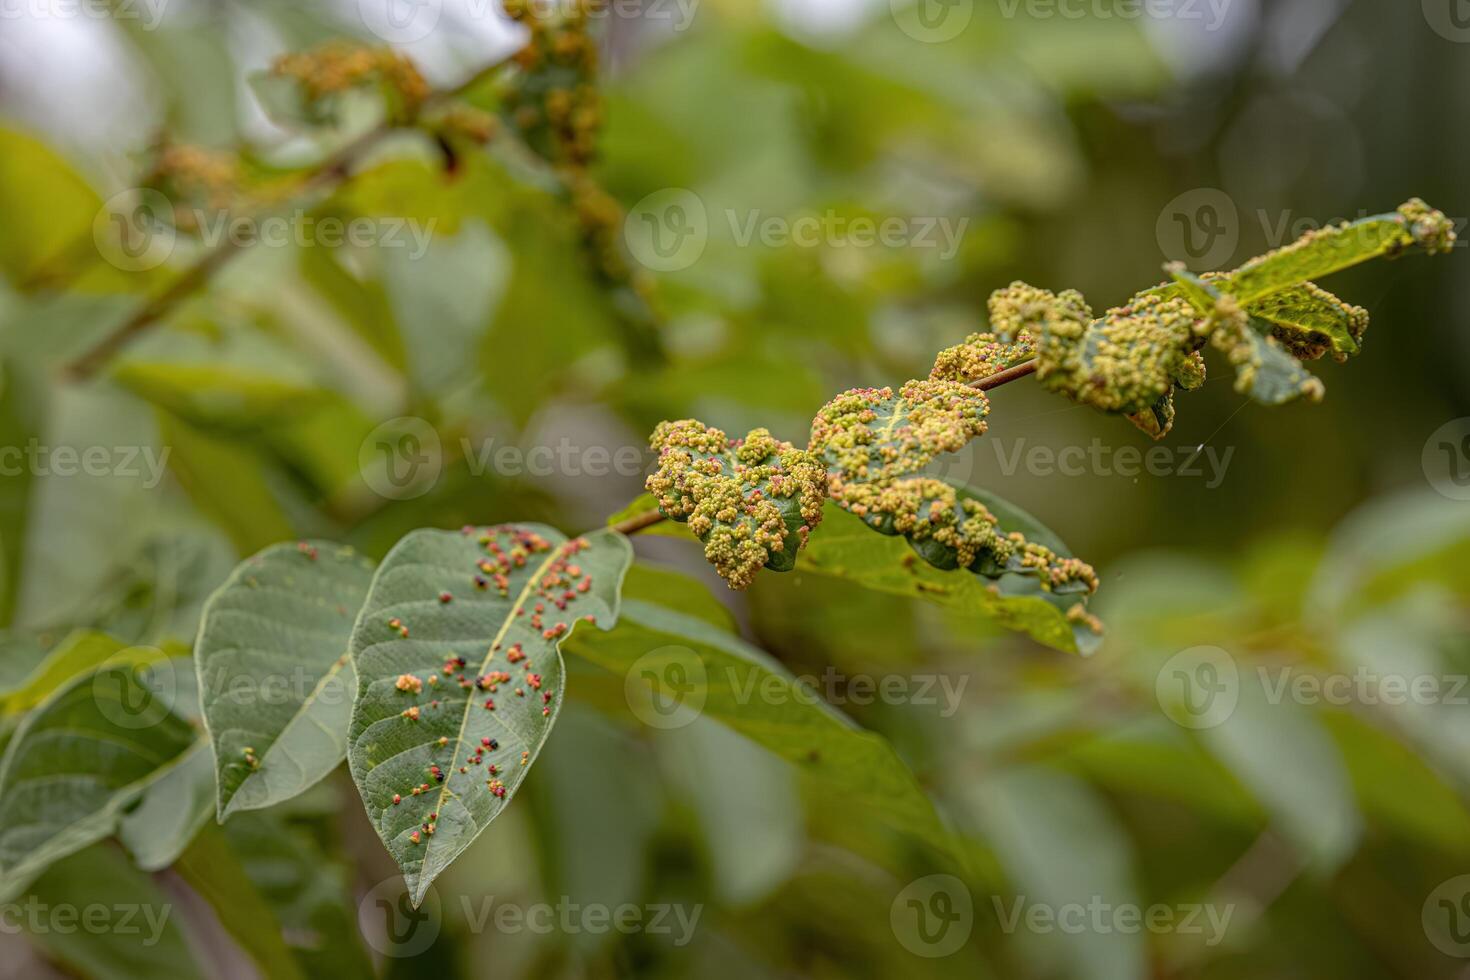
x,y
252,413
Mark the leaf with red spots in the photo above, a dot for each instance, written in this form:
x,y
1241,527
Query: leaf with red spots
x,y
455,698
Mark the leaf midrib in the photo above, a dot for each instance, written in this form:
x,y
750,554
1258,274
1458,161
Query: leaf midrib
x,y
510,616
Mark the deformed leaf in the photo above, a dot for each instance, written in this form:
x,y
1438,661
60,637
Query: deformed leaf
x,y
752,501
460,676
1320,253
77,762
1310,321
849,550
275,677
870,435
872,440
1264,369
1130,361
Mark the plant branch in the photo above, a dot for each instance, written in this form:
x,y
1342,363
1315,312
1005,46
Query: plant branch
x,y
640,522
1007,376
637,523
333,171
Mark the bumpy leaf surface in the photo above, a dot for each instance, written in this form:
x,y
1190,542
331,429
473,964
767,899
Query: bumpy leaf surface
x,y
752,501
460,676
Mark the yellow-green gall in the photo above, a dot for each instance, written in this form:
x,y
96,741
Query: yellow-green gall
x,y
752,501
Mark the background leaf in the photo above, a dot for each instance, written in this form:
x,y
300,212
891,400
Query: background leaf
x,y
275,676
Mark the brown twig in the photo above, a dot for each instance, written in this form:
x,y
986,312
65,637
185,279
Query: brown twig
x,y
635,524
1026,368
332,171
1007,376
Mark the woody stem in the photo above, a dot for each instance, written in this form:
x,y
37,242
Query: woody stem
x,y
331,172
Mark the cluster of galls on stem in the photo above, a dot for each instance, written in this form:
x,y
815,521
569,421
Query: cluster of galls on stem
x,y
753,502
553,102
1266,317
328,70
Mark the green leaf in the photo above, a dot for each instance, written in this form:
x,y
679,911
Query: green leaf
x,y
455,624
78,761
228,483
1310,321
1337,247
845,548
141,937
870,435
1264,369
21,407
274,673
848,549
81,651
1061,845
214,866
1307,791
49,211
220,396
172,811
709,672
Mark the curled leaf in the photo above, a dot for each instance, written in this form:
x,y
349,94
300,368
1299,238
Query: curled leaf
x,y
752,501
1310,322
